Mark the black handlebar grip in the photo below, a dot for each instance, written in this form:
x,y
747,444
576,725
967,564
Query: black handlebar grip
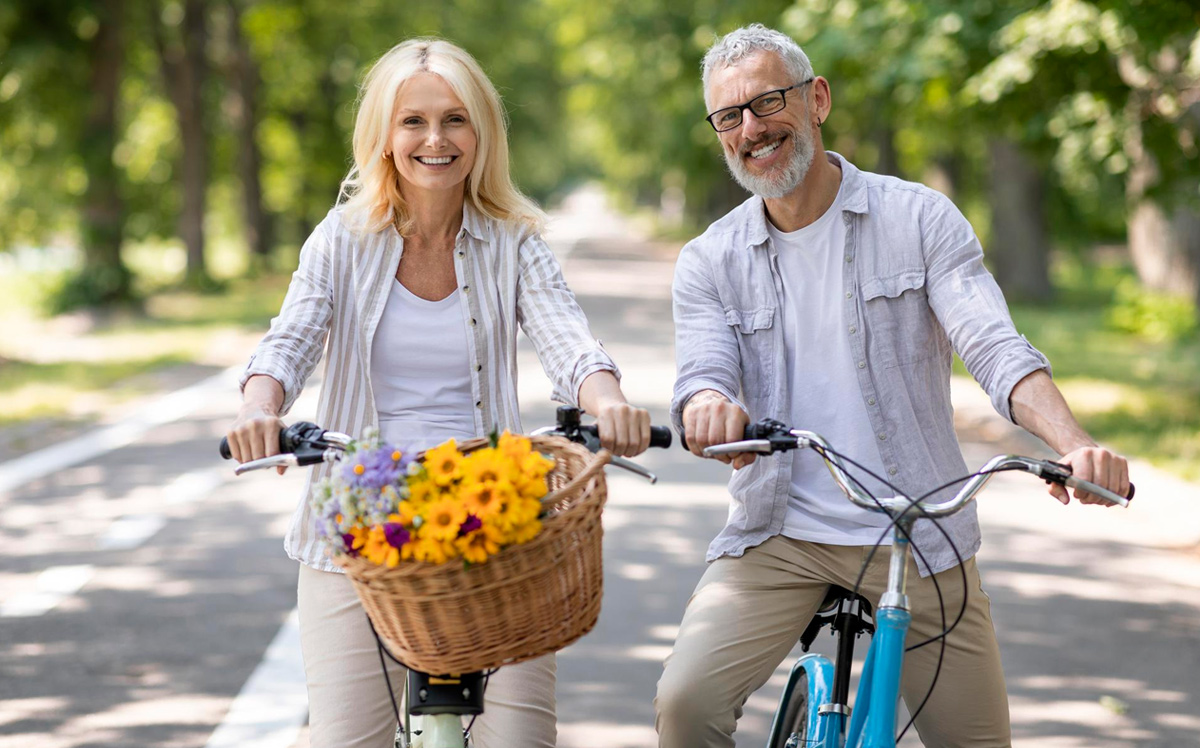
x,y
287,438
660,436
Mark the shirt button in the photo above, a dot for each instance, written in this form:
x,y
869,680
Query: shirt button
x,y
849,295
870,401
462,253
883,437
892,471
862,364
479,367
478,403
853,329
473,322
466,288
849,258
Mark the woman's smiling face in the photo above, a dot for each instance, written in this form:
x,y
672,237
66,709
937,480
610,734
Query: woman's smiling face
x,y
432,142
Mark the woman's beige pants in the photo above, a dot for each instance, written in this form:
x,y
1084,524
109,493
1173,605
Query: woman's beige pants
x,y
747,613
347,697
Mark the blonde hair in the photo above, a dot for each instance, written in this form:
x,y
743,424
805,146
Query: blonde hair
x,y
370,193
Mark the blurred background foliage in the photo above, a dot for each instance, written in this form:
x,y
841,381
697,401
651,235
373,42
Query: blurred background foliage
x,y
193,144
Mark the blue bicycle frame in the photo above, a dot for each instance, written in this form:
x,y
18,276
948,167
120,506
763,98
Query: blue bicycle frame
x,y
873,721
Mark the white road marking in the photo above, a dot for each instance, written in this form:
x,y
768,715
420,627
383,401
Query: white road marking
x,y
30,467
53,586
129,532
273,705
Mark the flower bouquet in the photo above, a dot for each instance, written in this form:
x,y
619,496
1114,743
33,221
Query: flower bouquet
x,y
382,505
520,514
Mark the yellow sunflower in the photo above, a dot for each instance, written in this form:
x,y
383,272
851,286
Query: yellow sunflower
x,y
444,463
378,550
486,466
421,492
515,447
486,499
526,532
442,519
432,550
478,545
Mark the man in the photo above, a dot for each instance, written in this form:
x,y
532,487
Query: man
x,y
832,300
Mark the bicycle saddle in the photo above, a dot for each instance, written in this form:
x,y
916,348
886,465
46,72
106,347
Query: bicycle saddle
x,y
839,609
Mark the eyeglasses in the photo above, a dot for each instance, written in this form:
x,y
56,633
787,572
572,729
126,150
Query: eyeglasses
x,y
763,105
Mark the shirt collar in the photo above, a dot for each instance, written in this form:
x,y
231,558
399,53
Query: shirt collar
x,y
475,222
854,200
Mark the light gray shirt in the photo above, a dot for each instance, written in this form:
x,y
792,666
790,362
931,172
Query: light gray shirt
x,y
914,286
508,278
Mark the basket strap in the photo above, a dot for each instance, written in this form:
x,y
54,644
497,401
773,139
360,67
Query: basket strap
x,y
596,465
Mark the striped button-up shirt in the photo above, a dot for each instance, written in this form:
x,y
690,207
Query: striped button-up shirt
x,y
914,285
508,278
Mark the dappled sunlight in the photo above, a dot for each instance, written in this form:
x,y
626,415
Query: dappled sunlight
x,y
609,734
14,710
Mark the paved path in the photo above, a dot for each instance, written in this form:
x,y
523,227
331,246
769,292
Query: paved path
x,y
144,586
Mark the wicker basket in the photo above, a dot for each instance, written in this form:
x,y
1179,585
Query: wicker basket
x,y
526,601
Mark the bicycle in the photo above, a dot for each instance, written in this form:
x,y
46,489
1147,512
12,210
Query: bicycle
x,y
441,701
814,709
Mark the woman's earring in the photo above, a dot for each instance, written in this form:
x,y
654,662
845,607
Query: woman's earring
x,y
819,123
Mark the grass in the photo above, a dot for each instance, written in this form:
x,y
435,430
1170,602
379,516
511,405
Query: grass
x,y
75,367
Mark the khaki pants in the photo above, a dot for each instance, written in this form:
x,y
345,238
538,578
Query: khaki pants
x,y
747,613
347,695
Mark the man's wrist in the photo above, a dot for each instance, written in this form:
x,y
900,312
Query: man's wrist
x,y
703,397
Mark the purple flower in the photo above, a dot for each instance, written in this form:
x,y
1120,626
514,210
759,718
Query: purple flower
x,y
472,524
396,534
348,539
376,467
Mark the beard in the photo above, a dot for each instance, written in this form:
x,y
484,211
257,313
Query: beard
x,y
782,179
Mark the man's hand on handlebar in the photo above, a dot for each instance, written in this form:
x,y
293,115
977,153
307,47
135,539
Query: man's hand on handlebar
x,y
1098,465
710,418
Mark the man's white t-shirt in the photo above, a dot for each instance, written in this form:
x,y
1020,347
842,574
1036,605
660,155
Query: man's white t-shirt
x,y
825,394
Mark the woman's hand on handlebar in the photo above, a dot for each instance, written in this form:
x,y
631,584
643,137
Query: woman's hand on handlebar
x,y
1103,467
624,429
255,434
710,418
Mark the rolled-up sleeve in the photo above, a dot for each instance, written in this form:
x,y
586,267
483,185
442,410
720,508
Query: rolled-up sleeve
x,y
293,346
549,314
706,348
971,308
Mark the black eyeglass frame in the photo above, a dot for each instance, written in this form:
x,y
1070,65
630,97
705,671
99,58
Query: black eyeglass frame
x,y
750,105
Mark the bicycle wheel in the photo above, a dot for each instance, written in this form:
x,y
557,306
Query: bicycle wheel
x,y
794,710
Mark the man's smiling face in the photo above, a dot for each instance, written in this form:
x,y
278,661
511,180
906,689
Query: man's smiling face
x,y
769,156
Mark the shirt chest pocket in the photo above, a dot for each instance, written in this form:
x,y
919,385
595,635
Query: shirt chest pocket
x,y
900,324
753,328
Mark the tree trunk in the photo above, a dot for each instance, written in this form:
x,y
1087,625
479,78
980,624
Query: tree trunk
x,y
884,138
246,82
1164,245
103,211
1020,244
185,69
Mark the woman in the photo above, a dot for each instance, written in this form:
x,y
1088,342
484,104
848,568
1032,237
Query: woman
x,y
415,284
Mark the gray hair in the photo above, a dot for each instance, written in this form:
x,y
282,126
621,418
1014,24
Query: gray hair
x,y
748,40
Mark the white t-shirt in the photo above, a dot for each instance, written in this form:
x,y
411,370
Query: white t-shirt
x,y
825,394
420,370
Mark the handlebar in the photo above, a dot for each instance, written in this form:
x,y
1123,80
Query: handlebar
x,y
305,443
770,436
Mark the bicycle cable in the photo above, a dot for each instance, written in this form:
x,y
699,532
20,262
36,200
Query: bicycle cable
x,y
915,503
